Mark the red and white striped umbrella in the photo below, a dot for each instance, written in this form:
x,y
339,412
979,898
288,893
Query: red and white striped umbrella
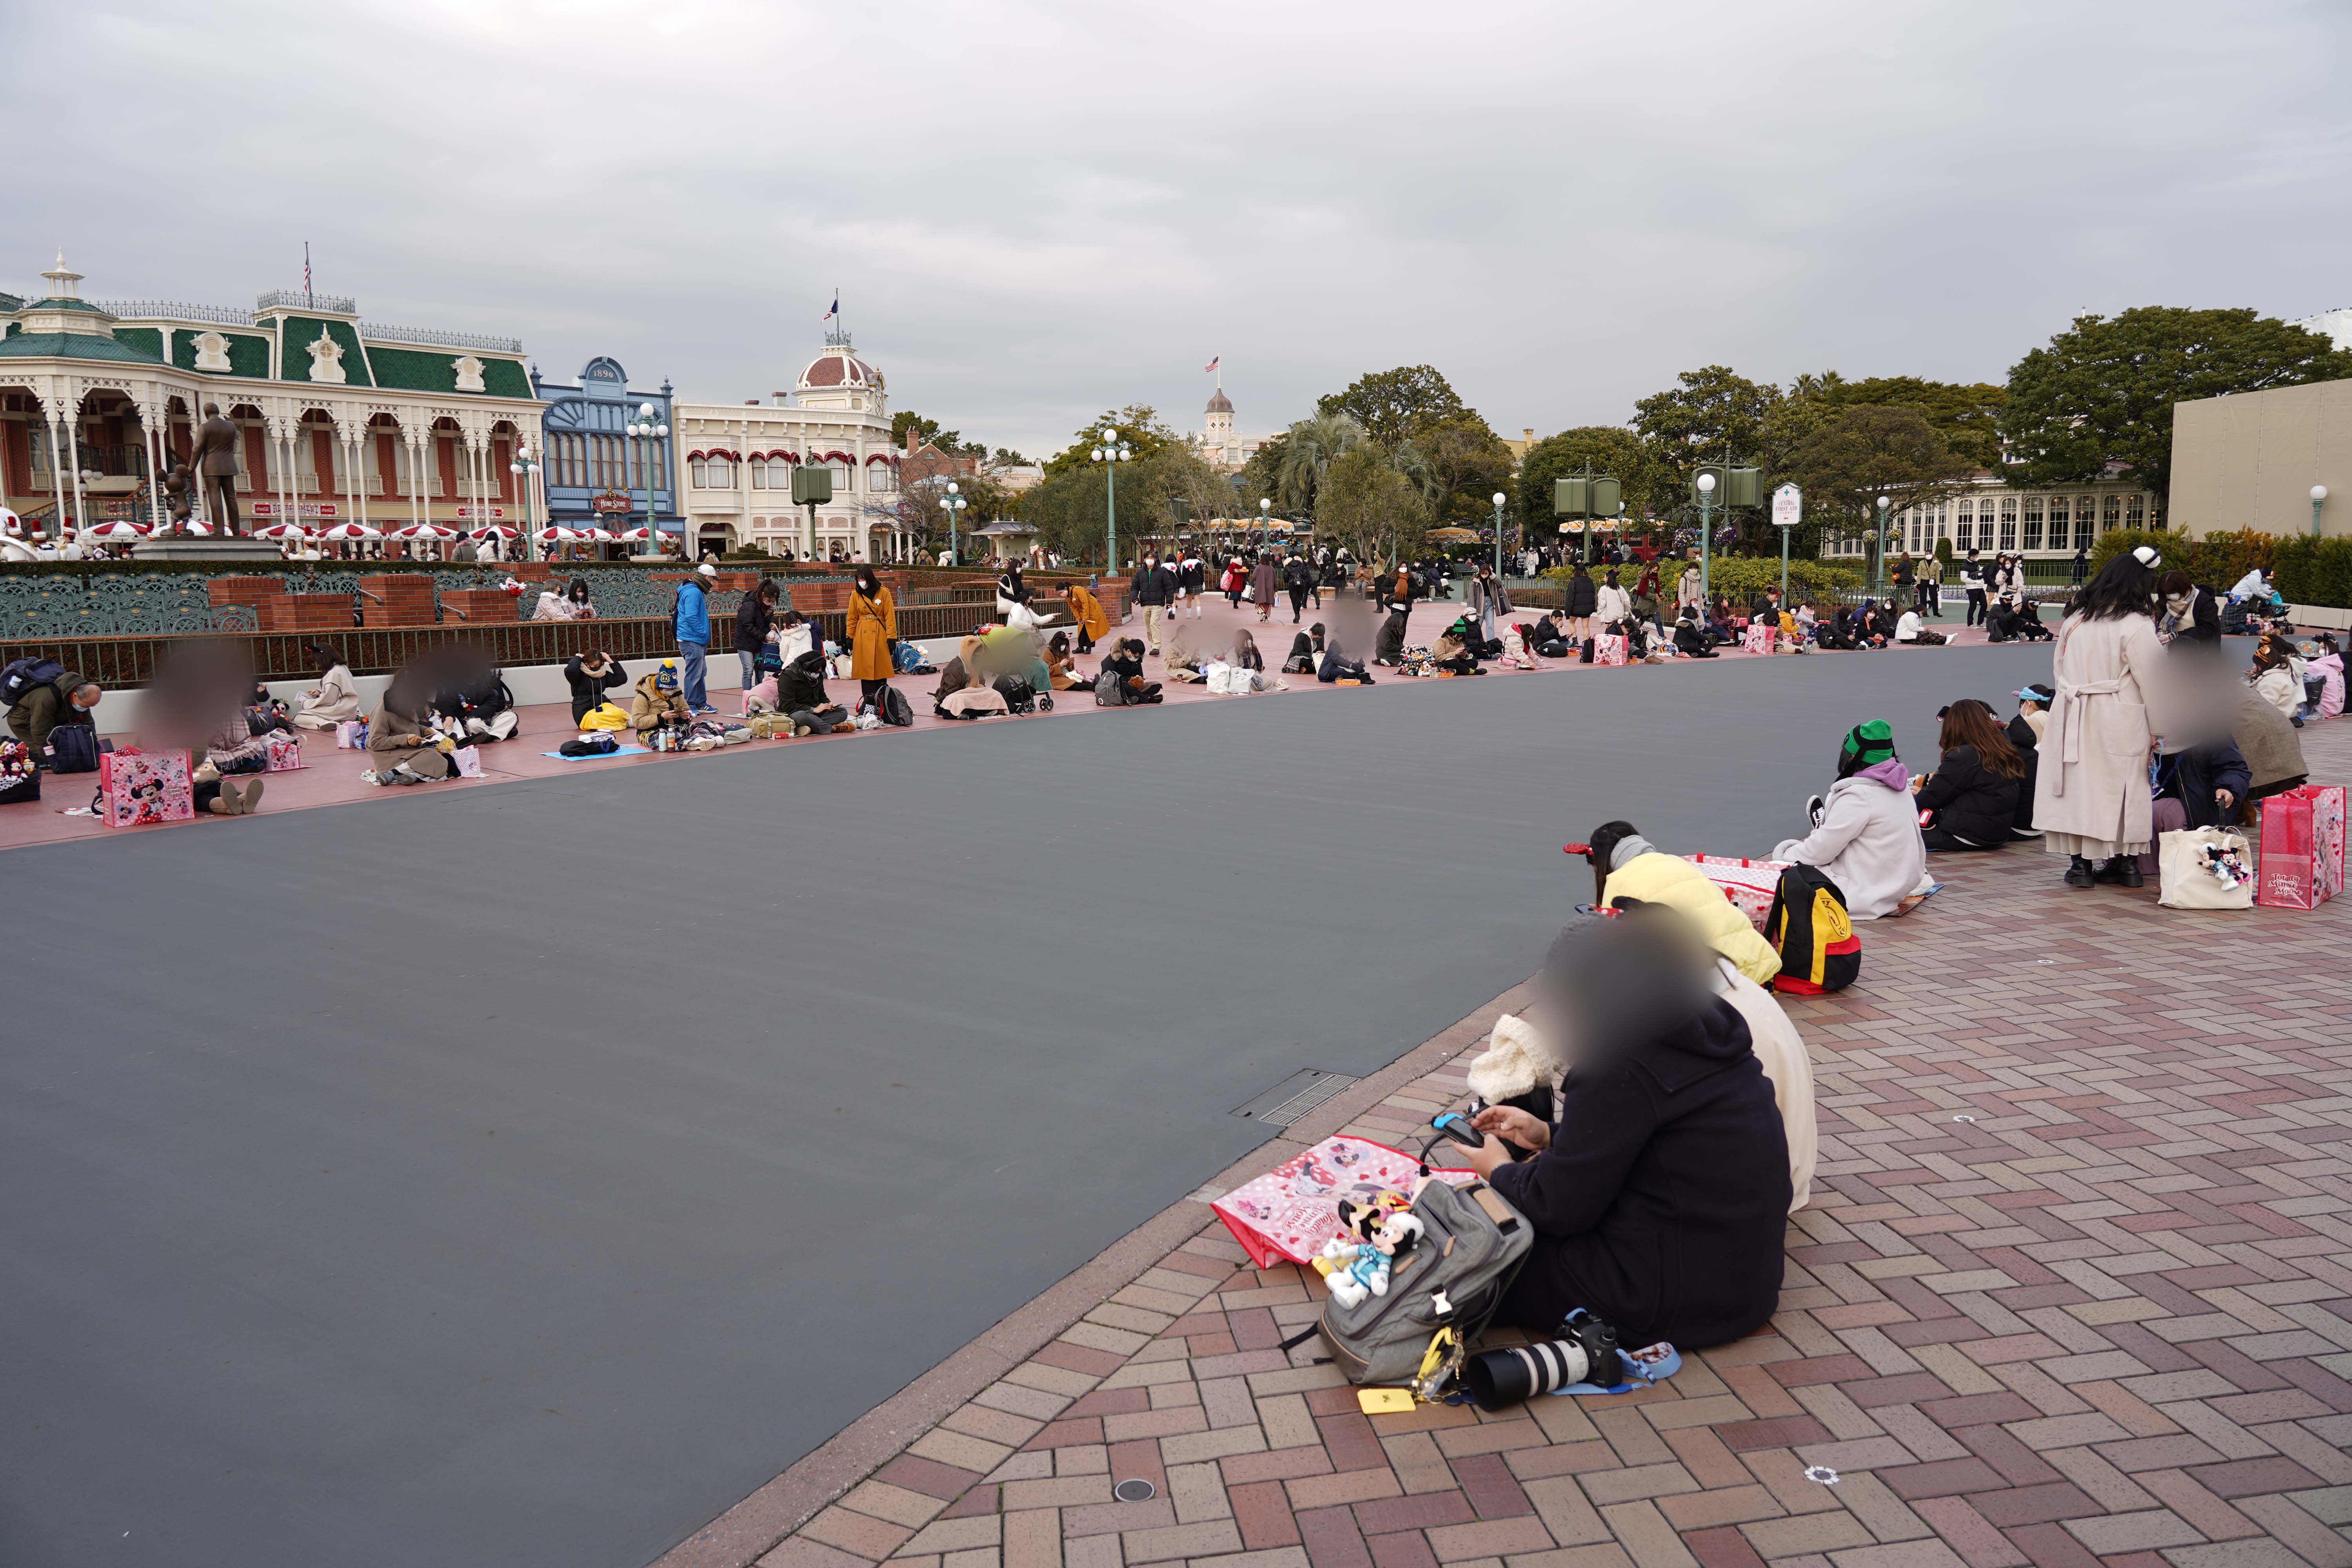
x,y
495,531
350,531
424,531
282,531
115,531
634,535
557,534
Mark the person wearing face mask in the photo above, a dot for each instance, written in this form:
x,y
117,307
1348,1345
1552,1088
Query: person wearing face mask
x,y
67,699
1659,1192
872,626
1153,590
2191,621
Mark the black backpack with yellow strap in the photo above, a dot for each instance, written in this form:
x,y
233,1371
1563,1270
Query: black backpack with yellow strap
x,y
1809,928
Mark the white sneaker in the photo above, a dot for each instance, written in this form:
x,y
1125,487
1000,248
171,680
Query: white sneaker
x,y
1814,808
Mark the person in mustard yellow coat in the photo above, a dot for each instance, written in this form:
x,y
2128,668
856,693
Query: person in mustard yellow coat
x,y
873,629
1088,611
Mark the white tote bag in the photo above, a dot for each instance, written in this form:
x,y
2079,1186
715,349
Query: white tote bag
x,y
2204,868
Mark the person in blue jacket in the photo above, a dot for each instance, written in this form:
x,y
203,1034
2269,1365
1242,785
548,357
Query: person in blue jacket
x,y
693,619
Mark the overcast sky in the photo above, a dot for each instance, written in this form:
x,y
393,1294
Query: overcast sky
x,y
1036,211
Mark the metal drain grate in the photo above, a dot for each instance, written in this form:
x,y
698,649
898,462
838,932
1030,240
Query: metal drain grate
x,y
1294,1097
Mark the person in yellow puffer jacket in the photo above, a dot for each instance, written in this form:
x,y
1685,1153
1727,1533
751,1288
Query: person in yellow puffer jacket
x,y
1627,866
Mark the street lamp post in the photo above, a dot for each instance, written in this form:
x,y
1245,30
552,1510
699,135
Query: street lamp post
x,y
952,503
1112,452
2318,500
1264,518
525,464
648,430
1499,533
1878,567
1706,534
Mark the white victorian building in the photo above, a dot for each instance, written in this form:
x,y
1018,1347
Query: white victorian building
x,y
337,419
1218,446
739,460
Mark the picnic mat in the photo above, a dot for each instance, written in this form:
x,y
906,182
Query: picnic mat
x,y
1292,1210
1912,901
599,756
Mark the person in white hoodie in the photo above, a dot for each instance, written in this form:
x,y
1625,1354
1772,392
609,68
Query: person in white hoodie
x,y
1865,836
1610,603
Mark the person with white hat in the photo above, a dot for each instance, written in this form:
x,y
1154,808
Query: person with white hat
x,y
692,623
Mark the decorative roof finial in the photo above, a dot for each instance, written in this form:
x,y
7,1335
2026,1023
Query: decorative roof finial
x,y
63,280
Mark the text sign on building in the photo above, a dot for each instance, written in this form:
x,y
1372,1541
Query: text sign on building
x,y
309,509
481,513
1787,506
609,501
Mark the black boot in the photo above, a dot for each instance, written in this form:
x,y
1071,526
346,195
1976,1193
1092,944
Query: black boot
x,y
2122,871
2079,873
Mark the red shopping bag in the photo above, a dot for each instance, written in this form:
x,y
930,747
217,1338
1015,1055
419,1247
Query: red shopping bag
x,y
1609,648
1758,636
2302,856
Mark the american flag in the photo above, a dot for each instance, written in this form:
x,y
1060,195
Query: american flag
x,y
1209,367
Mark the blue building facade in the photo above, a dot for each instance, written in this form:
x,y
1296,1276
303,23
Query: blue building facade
x,y
594,471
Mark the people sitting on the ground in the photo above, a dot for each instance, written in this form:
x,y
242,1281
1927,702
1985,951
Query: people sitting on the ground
x,y
1807,617
1306,651
799,685
1721,626
2025,733
589,675
1971,797
1188,651
65,698
2254,587
1244,654
335,700
1835,631
1061,671
1872,627
1548,640
1689,640
2266,739
1660,1194
1126,662
571,605
401,738
1335,665
1389,647
2272,677
473,701
1453,654
233,749
1628,867
658,702
1865,836
1909,629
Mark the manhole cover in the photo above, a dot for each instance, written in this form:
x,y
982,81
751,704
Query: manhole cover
x,y
1294,1097
1137,1490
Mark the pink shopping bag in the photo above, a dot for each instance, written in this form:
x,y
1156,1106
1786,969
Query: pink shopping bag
x,y
2302,855
1292,1210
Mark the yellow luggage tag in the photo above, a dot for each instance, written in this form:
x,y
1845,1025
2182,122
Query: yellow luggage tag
x,y
1384,1401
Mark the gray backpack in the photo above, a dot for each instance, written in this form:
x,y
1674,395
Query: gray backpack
x,y
1472,1244
1109,690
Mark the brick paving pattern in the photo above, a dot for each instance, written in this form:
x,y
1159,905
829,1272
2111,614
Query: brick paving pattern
x,y
2108,1319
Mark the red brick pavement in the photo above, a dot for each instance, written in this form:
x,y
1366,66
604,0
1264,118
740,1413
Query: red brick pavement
x,y
2075,1286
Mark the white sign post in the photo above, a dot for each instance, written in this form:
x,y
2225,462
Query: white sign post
x,y
1787,506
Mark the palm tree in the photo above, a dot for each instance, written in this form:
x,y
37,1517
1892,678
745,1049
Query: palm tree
x,y
1307,456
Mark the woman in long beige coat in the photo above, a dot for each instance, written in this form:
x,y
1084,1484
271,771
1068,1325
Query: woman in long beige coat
x,y
2116,692
873,627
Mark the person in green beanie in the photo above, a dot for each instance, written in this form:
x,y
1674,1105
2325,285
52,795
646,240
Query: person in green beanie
x,y
1865,835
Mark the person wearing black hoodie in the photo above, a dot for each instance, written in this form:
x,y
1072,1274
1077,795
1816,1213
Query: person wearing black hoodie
x,y
590,675
1973,791
755,619
1659,1192
2024,733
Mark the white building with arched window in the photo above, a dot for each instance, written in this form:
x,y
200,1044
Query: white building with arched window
x,y
739,458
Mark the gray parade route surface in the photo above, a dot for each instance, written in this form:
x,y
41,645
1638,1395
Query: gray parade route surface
x,y
522,1175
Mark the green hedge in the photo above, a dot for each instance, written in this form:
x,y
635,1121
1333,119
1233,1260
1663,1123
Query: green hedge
x,y
2307,570
1739,578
